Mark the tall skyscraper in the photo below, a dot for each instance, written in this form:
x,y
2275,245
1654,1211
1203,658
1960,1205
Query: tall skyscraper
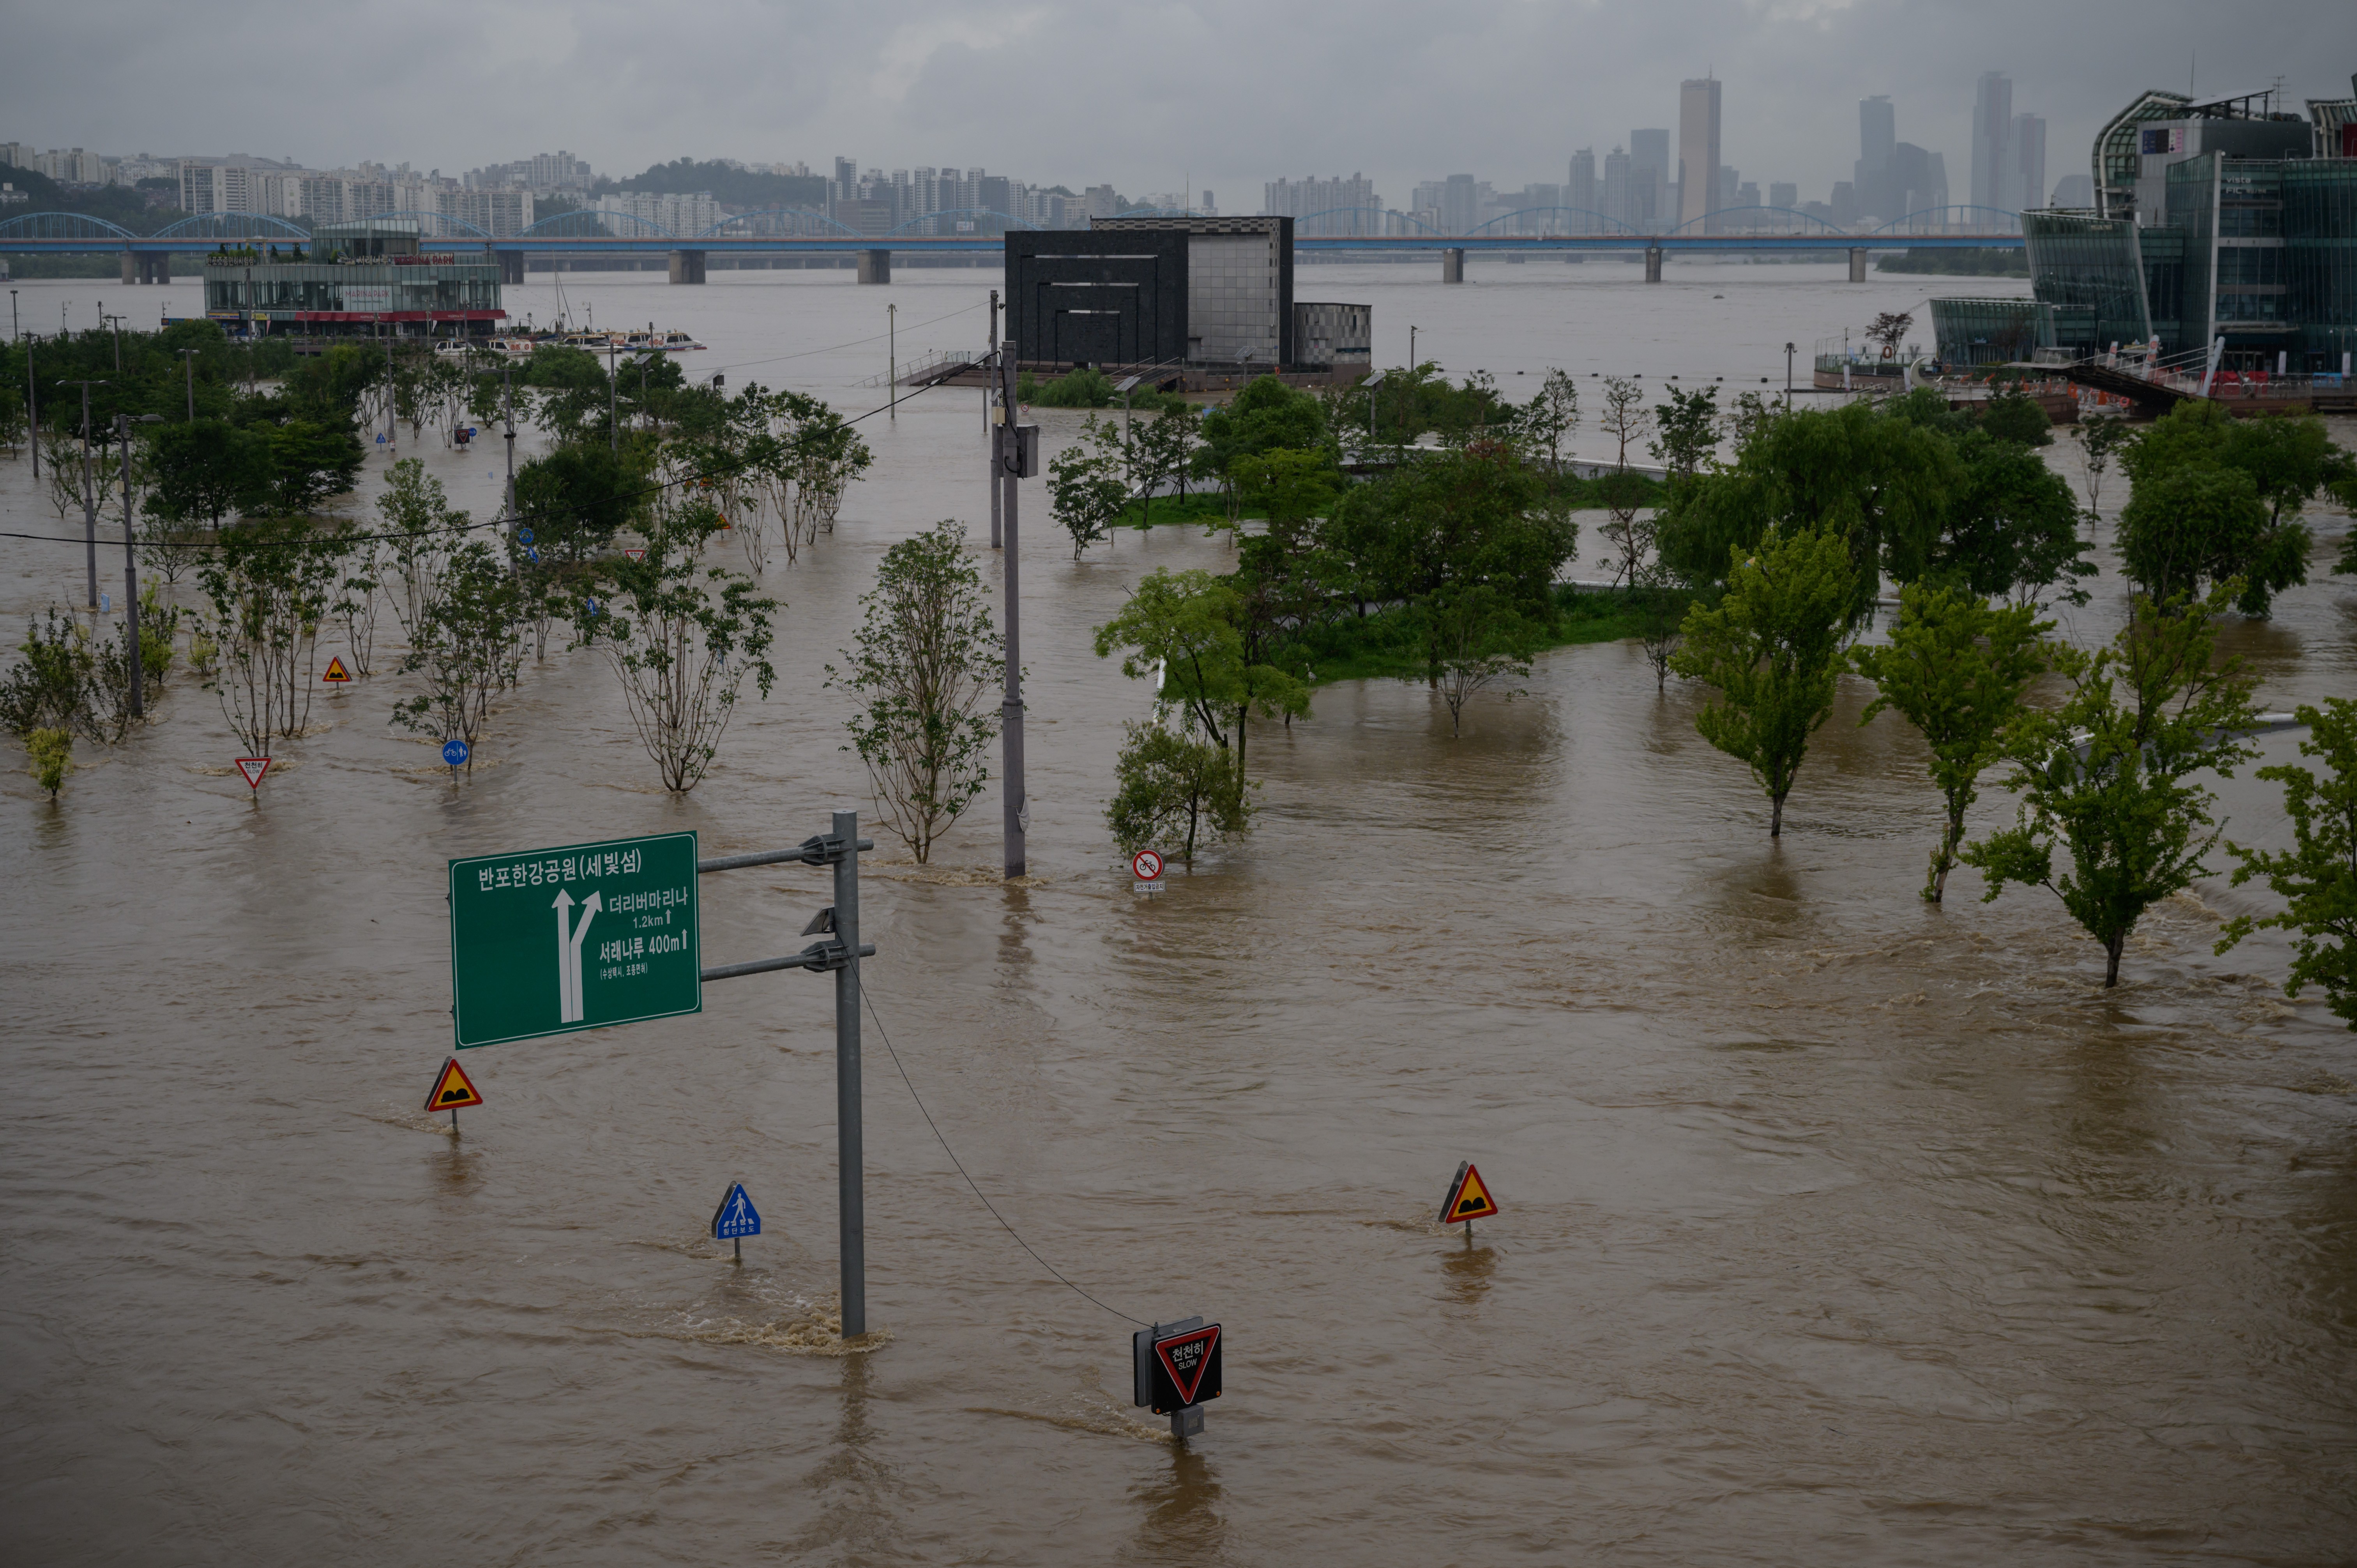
x,y
1581,192
2027,184
1617,204
1992,130
1698,177
1878,130
1649,180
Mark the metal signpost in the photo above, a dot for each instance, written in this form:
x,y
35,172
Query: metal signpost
x,y
644,962
1468,1199
1147,866
736,1218
452,1091
1174,1368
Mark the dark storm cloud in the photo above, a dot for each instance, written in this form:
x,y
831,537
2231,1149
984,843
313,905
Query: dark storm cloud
x,y
1232,92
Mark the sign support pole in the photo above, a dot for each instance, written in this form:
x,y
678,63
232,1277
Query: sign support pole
x,y
851,1206
1010,720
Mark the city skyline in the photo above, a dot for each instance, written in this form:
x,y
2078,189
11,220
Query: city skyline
x,y
1515,91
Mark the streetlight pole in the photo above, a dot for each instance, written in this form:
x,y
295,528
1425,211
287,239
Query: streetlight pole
x,y
32,408
613,403
992,433
131,571
188,358
1016,808
117,321
892,359
1788,377
89,487
1371,383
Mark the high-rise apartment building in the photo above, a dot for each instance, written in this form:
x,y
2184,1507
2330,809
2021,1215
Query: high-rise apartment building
x,y
1651,208
1618,204
1460,204
1581,194
1335,206
1783,196
1698,165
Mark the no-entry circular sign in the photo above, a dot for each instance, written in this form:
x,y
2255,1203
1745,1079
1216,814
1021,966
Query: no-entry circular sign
x,y
1146,864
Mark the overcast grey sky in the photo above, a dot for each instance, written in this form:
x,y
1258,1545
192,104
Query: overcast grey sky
x,y
1232,92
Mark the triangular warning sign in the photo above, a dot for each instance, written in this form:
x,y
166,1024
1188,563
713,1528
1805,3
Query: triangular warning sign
x,y
253,768
1468,1197
453,1089
1187,1358
336,670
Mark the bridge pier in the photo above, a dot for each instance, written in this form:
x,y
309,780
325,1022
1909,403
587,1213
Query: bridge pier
x,y
687,266
875,266
1858,264
1652,264
131,266
512,266
1452,265
156,268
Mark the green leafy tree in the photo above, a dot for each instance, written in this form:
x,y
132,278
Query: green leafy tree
x,y
681,641
1187,629
2192,526
464,648
1685,431
1475,640
309,463
1771,646
1293,488
2108,778
2101,436
2015,417
49,688
1085,490
1172,784
1547,422
1885,482
2012,528
1264,416
2316,877
52,750
1957,669
12,419
270,585
926,666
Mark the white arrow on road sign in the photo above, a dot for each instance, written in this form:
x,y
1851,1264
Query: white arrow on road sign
x,y
568,952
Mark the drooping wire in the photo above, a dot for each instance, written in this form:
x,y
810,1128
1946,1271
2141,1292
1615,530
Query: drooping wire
x,y
886,1038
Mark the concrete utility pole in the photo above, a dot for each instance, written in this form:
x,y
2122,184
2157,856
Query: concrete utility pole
x,y
131,575
892,360
188,358
851,1198
32,410
1016,809
391,436
89,487
507,379
613,408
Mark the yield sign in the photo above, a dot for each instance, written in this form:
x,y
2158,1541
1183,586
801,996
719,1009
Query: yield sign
x,y
1191,1362
253,768
453,1089
1468,1197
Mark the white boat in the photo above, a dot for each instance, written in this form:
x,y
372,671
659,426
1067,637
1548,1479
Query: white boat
x,y
675,342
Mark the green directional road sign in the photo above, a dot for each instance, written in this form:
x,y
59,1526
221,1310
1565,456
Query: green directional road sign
x,y
552,940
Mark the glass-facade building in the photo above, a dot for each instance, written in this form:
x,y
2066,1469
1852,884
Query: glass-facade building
x,y
1990,331
2221,223
368,277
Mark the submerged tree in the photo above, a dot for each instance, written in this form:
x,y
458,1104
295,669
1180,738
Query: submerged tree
x,y
1173,786
2316,877
1956,668
1475,642
270,585
681,641
926,666
1772,646
2108,778
1085,490
465,647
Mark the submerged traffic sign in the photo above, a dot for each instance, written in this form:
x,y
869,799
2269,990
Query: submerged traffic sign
x,y
1178,1367
1468,1197
336,670
453,1089
253,768
454,753
736,1216
624,946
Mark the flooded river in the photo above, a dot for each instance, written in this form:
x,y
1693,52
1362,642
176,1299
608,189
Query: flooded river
x,y
1837,1229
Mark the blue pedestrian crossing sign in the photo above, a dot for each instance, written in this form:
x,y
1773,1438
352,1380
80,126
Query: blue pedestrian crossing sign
x,y
736,1217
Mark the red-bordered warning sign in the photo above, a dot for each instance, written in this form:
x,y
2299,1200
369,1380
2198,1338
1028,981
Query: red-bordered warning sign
x,y
335,672
1468,1197
1146,864
453,1089
1186,1365
253,768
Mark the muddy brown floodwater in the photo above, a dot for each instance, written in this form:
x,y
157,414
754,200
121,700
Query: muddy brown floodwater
x,y
1837,1229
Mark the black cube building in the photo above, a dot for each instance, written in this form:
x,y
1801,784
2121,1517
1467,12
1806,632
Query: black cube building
x,y
1083,297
